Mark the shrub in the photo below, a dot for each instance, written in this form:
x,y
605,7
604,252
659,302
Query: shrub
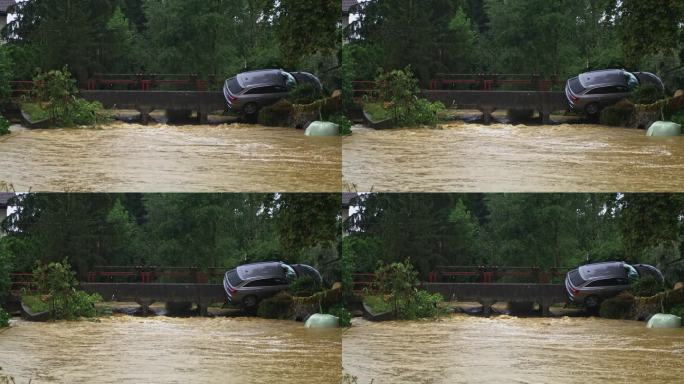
x,y
276,307
276,115
343,314
4,318
56,282
618,307
304,94
4,126
399,89
304,286
344,123
646,94
646,287
6,67
616,116
399,282
678,118
6,259
677,310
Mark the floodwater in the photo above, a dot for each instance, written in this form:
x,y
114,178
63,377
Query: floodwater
x,y
512,158
122,157
465,349
125,349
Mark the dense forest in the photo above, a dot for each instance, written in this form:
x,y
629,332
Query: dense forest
x,y
544,230
184,230
204,37
561,37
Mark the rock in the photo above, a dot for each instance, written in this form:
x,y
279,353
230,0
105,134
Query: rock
x,y
678,286
664,129
661,320
321,321
322,128
679,93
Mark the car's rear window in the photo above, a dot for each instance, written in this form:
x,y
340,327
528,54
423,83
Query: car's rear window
x,y
234,278
576,85
575,278
234,86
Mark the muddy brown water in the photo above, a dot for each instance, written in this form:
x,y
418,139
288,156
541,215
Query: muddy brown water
x,y
122,157
125,349
512,158
466,349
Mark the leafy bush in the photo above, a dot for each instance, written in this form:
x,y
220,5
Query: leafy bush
x,y
344,123
304,94
304,286
646,286
6,75
677,310
276,307
616,116
398,282
4,126
54,93
678,118
343,314
4,318
6,259
399,89
617,307
56,285
276,115
646,94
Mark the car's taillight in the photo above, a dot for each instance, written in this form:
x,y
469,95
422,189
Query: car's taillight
x,y
575,291
232,98
574,98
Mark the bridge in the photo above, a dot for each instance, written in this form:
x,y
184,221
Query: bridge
x,y
146,294
544,102
203,102
489,293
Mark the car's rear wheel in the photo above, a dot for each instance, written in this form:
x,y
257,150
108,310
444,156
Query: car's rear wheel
x,y
250,301
250,109
592,303
592,109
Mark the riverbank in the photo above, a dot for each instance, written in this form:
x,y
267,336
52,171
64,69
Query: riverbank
x,y
122,348
120,157
511,158
464,349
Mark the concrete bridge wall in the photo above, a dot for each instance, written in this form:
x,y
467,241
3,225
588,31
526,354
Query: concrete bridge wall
x,y
145,294
487,294
489,101
148,101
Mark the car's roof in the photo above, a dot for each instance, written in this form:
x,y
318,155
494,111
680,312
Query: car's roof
x,y
603,78
261,78
604,270
267,269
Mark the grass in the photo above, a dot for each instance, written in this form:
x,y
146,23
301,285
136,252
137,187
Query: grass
x,y
376,111
377,304
35,304
35,112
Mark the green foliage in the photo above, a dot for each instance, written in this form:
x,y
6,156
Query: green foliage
x,y
57,282
344,123
6,266
616,116
307,27
646,94
6,74
276,307
55,94
678,118
4,126
400,89
276,115
348,75
304,94
4,318
343,314
304,286
399,281
677,310
646,287
618,307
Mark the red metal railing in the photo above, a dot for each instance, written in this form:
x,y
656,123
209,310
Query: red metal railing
x,y
489,82
21,87
19,281
364,88
491,274
151,274
146,82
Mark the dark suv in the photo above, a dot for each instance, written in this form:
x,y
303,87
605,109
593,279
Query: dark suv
x,y
248,284
250,91
592,283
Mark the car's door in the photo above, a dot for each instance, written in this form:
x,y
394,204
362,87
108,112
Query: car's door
x,y
608,287
608,95
273,93
267,287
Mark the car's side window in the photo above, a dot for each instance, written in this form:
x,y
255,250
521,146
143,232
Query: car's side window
x,y
256,91
597,91
608,282
266,283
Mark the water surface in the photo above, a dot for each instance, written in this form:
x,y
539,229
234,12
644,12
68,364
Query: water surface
x,y
502,349
161,158
125,349
512,158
